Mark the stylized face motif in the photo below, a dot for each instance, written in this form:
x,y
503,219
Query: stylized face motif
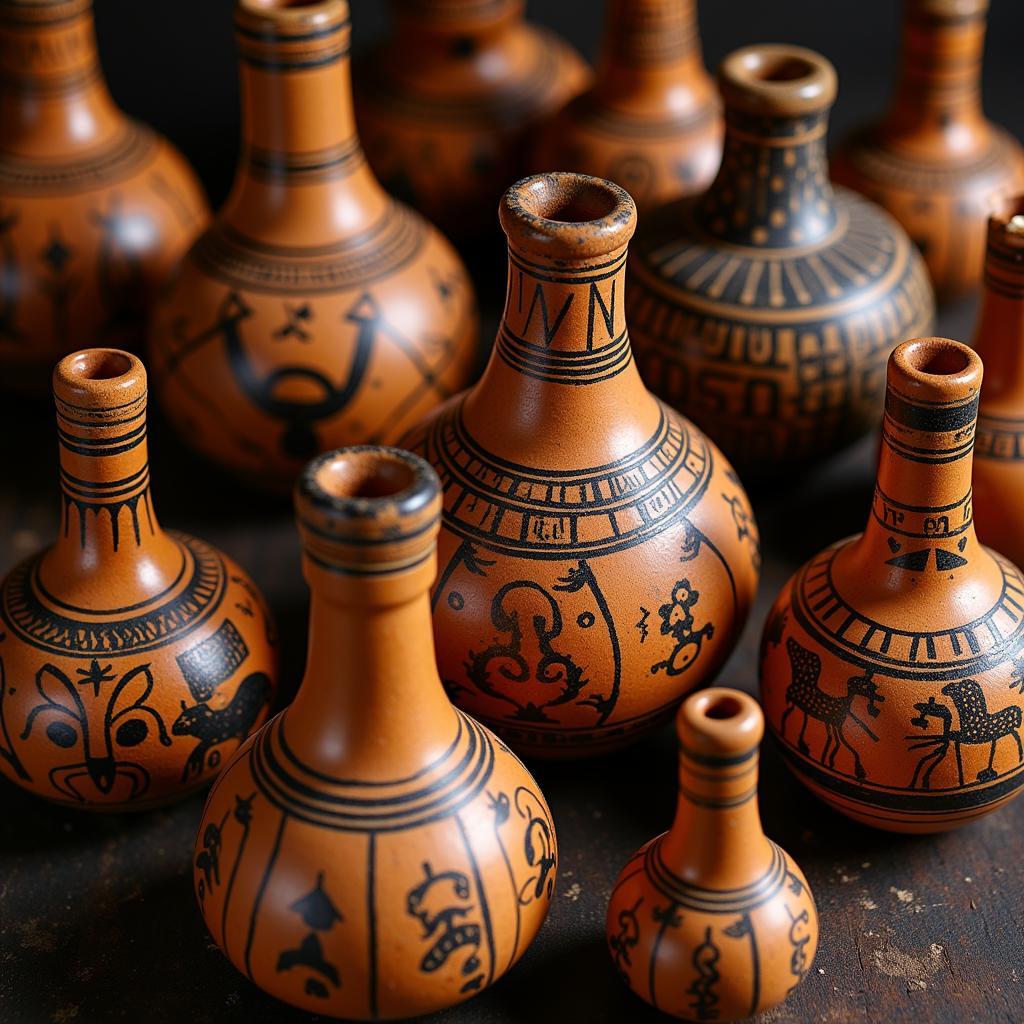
x,y
97,726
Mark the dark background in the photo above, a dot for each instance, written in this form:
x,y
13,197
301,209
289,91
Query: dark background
x,y
97,918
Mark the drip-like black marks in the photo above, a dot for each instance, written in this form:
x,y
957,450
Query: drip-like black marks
x,y
213,727
677,621
804,694
319,914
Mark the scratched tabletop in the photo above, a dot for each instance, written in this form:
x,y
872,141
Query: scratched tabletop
x,y
98,922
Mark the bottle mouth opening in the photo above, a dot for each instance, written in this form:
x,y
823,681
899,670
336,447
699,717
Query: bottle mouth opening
x,y
364,476
567,216
719,723
100,364
777,79
99,378
935,371
723,708
291,15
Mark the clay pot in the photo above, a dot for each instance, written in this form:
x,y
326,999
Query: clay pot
x,y
598,554
316,311
651,122
934,161
94,208
447,104
892,663
765,309
131,660
711,920
373,853
999,340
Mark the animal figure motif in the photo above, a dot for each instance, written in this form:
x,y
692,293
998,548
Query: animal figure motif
x,y
233,722
677,621
804,694
455,933
977,726
208,859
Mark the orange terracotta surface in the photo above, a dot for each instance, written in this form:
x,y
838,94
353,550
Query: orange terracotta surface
x,y
765,309
316,311
132,661
598,554
373,852
999,340
94,208
892,663
711,920
651,122
448,102
935,162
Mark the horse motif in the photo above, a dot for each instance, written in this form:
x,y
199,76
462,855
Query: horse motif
x,y
977,726
804,694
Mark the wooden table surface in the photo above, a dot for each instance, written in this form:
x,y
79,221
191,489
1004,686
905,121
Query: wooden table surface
x,y
98,922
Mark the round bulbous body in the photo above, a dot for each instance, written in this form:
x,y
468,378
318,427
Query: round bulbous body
x,y
999,340
448,103
95,209
316,311
935,162
891,663
766,308
651,122
132,660
373,853
375,904
711,920
598,555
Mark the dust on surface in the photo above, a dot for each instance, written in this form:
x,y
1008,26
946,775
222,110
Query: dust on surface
x,y
914,968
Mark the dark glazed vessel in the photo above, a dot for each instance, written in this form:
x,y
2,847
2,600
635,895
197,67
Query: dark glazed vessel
x,y
935,162
766,308
999,340
131,660
317,310
712,920
373,853
598,554
651,122
94,208
447,104
892,663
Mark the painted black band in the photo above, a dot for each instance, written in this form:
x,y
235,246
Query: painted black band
x,y
935,420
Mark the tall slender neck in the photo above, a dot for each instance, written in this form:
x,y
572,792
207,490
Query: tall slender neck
x,y
999,336
562,366
53,98
652,47
717,831
937,102
109,531
302,178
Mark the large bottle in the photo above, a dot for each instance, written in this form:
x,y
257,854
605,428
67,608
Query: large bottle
x,y
598,554
94,208
373,852
317,310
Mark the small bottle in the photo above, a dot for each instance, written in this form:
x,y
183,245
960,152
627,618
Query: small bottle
x,y
711,920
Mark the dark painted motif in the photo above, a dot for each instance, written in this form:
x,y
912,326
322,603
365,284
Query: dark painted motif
x,y
319,915
677,621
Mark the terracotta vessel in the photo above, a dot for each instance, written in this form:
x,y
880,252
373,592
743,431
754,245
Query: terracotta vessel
x,y
94,208
934,161
131,660
766,308
892,663
598,554
711,920
316,311
373,852
651,122
448,102
999,340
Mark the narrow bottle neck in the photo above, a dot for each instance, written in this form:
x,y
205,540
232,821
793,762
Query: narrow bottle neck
x,y
717,831
109,529
562,364
999,336
653,46
938,97
53,98
773,188
371,699
302,175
